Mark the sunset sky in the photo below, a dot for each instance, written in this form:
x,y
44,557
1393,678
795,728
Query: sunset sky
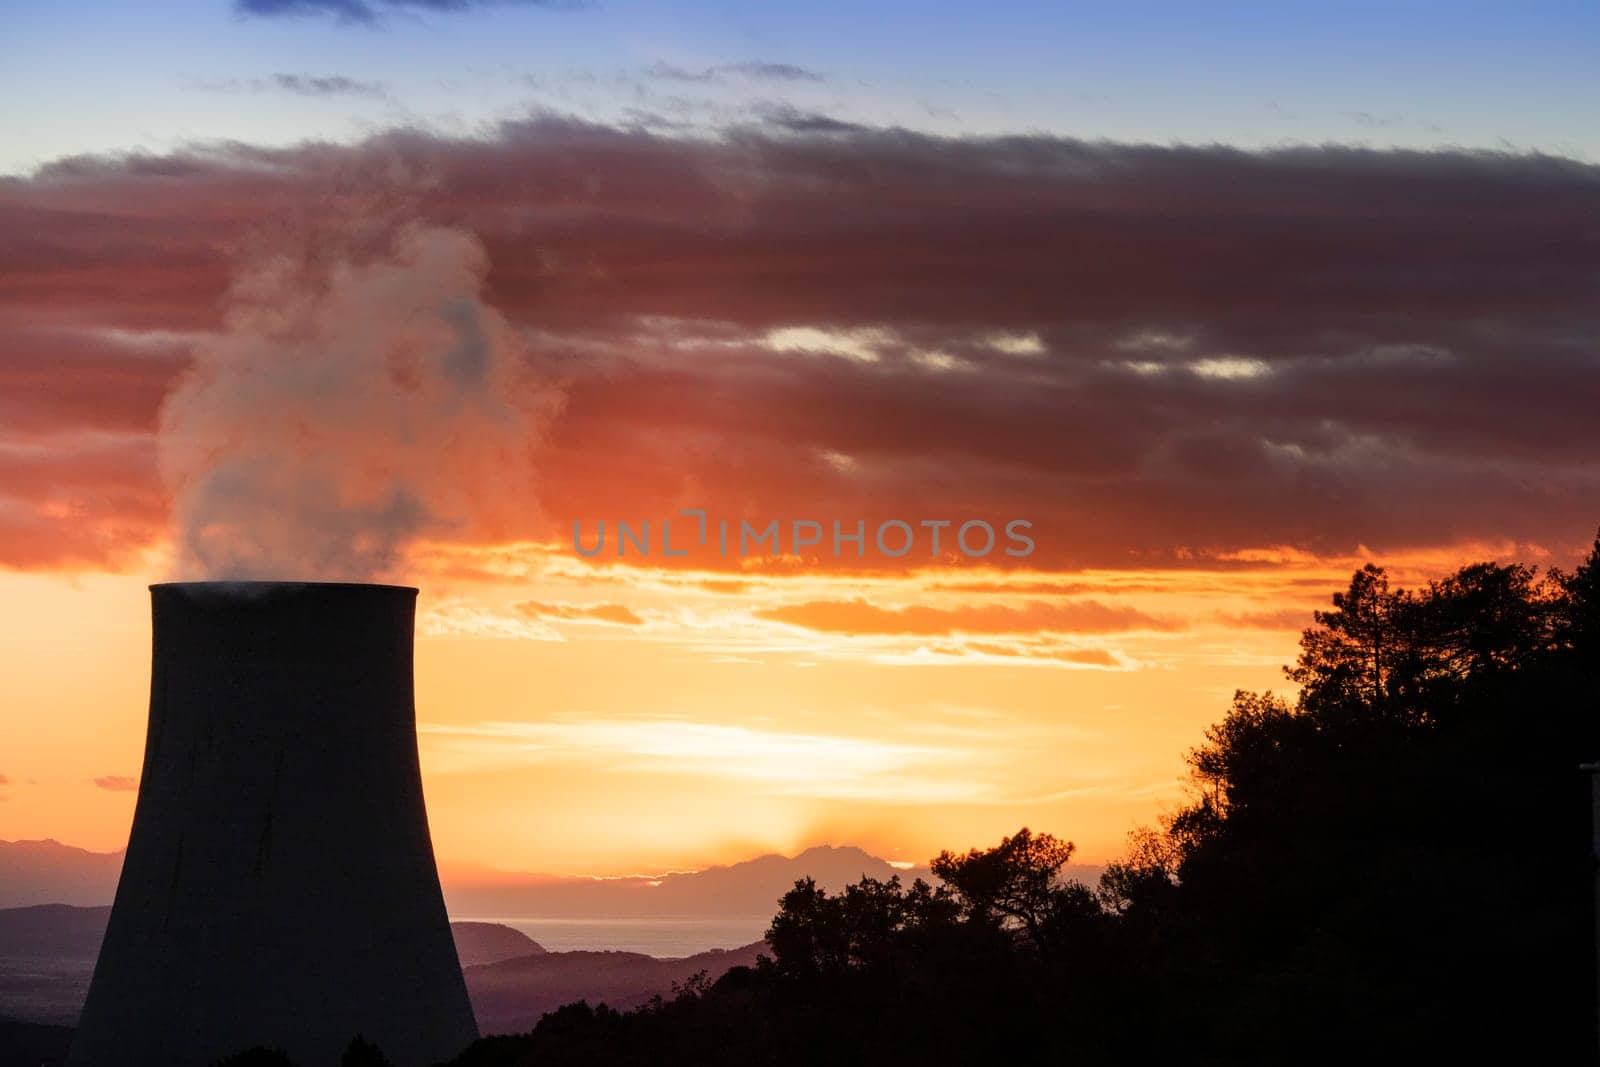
x,y
1225,303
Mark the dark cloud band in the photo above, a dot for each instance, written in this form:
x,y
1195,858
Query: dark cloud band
x,y
1159,355
369,11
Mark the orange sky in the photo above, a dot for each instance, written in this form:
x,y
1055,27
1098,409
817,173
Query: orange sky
x,y
704,732
1215,382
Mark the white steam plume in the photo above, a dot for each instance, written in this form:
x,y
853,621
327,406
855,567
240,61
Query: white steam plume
x,y
348,409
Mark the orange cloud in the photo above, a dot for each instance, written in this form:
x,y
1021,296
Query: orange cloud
x,y
1285,619
613,614
861,616
1089,657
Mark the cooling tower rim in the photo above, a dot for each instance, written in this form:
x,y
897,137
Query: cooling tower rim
x,y
255,587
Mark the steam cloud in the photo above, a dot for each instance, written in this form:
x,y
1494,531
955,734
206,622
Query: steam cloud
x,y
349,408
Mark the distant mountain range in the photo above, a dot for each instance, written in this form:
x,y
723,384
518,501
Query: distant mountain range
x,y
47,956
478,943
751,887
48,952
509,997
48,872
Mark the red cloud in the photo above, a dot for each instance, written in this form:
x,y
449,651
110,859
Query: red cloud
x,y
1154,354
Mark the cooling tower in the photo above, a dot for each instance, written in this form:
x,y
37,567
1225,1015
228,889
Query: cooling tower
x,y
279,888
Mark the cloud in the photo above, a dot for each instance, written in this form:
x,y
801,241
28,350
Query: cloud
x,y
850,344
326,85
78,499
1088,657
798,120
770,761
370,11
754,71
1287,619
117,783
863,617
459,618
299,84
1350,351
612,614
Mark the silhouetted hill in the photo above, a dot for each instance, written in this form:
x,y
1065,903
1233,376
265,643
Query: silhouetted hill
x,y
48,872
509,997
47,956
478,943
53,931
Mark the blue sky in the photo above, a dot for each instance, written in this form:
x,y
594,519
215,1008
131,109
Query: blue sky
x,y
119,76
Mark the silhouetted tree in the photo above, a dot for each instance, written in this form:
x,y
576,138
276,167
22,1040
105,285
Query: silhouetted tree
x,y
816,934
1399,856
257,1057
363,1053
1017,885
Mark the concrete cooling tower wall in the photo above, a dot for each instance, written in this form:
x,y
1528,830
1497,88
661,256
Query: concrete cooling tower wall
x,y
279,888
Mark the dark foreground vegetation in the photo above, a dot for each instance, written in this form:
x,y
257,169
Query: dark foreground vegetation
x,y
1393,868
26,1044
